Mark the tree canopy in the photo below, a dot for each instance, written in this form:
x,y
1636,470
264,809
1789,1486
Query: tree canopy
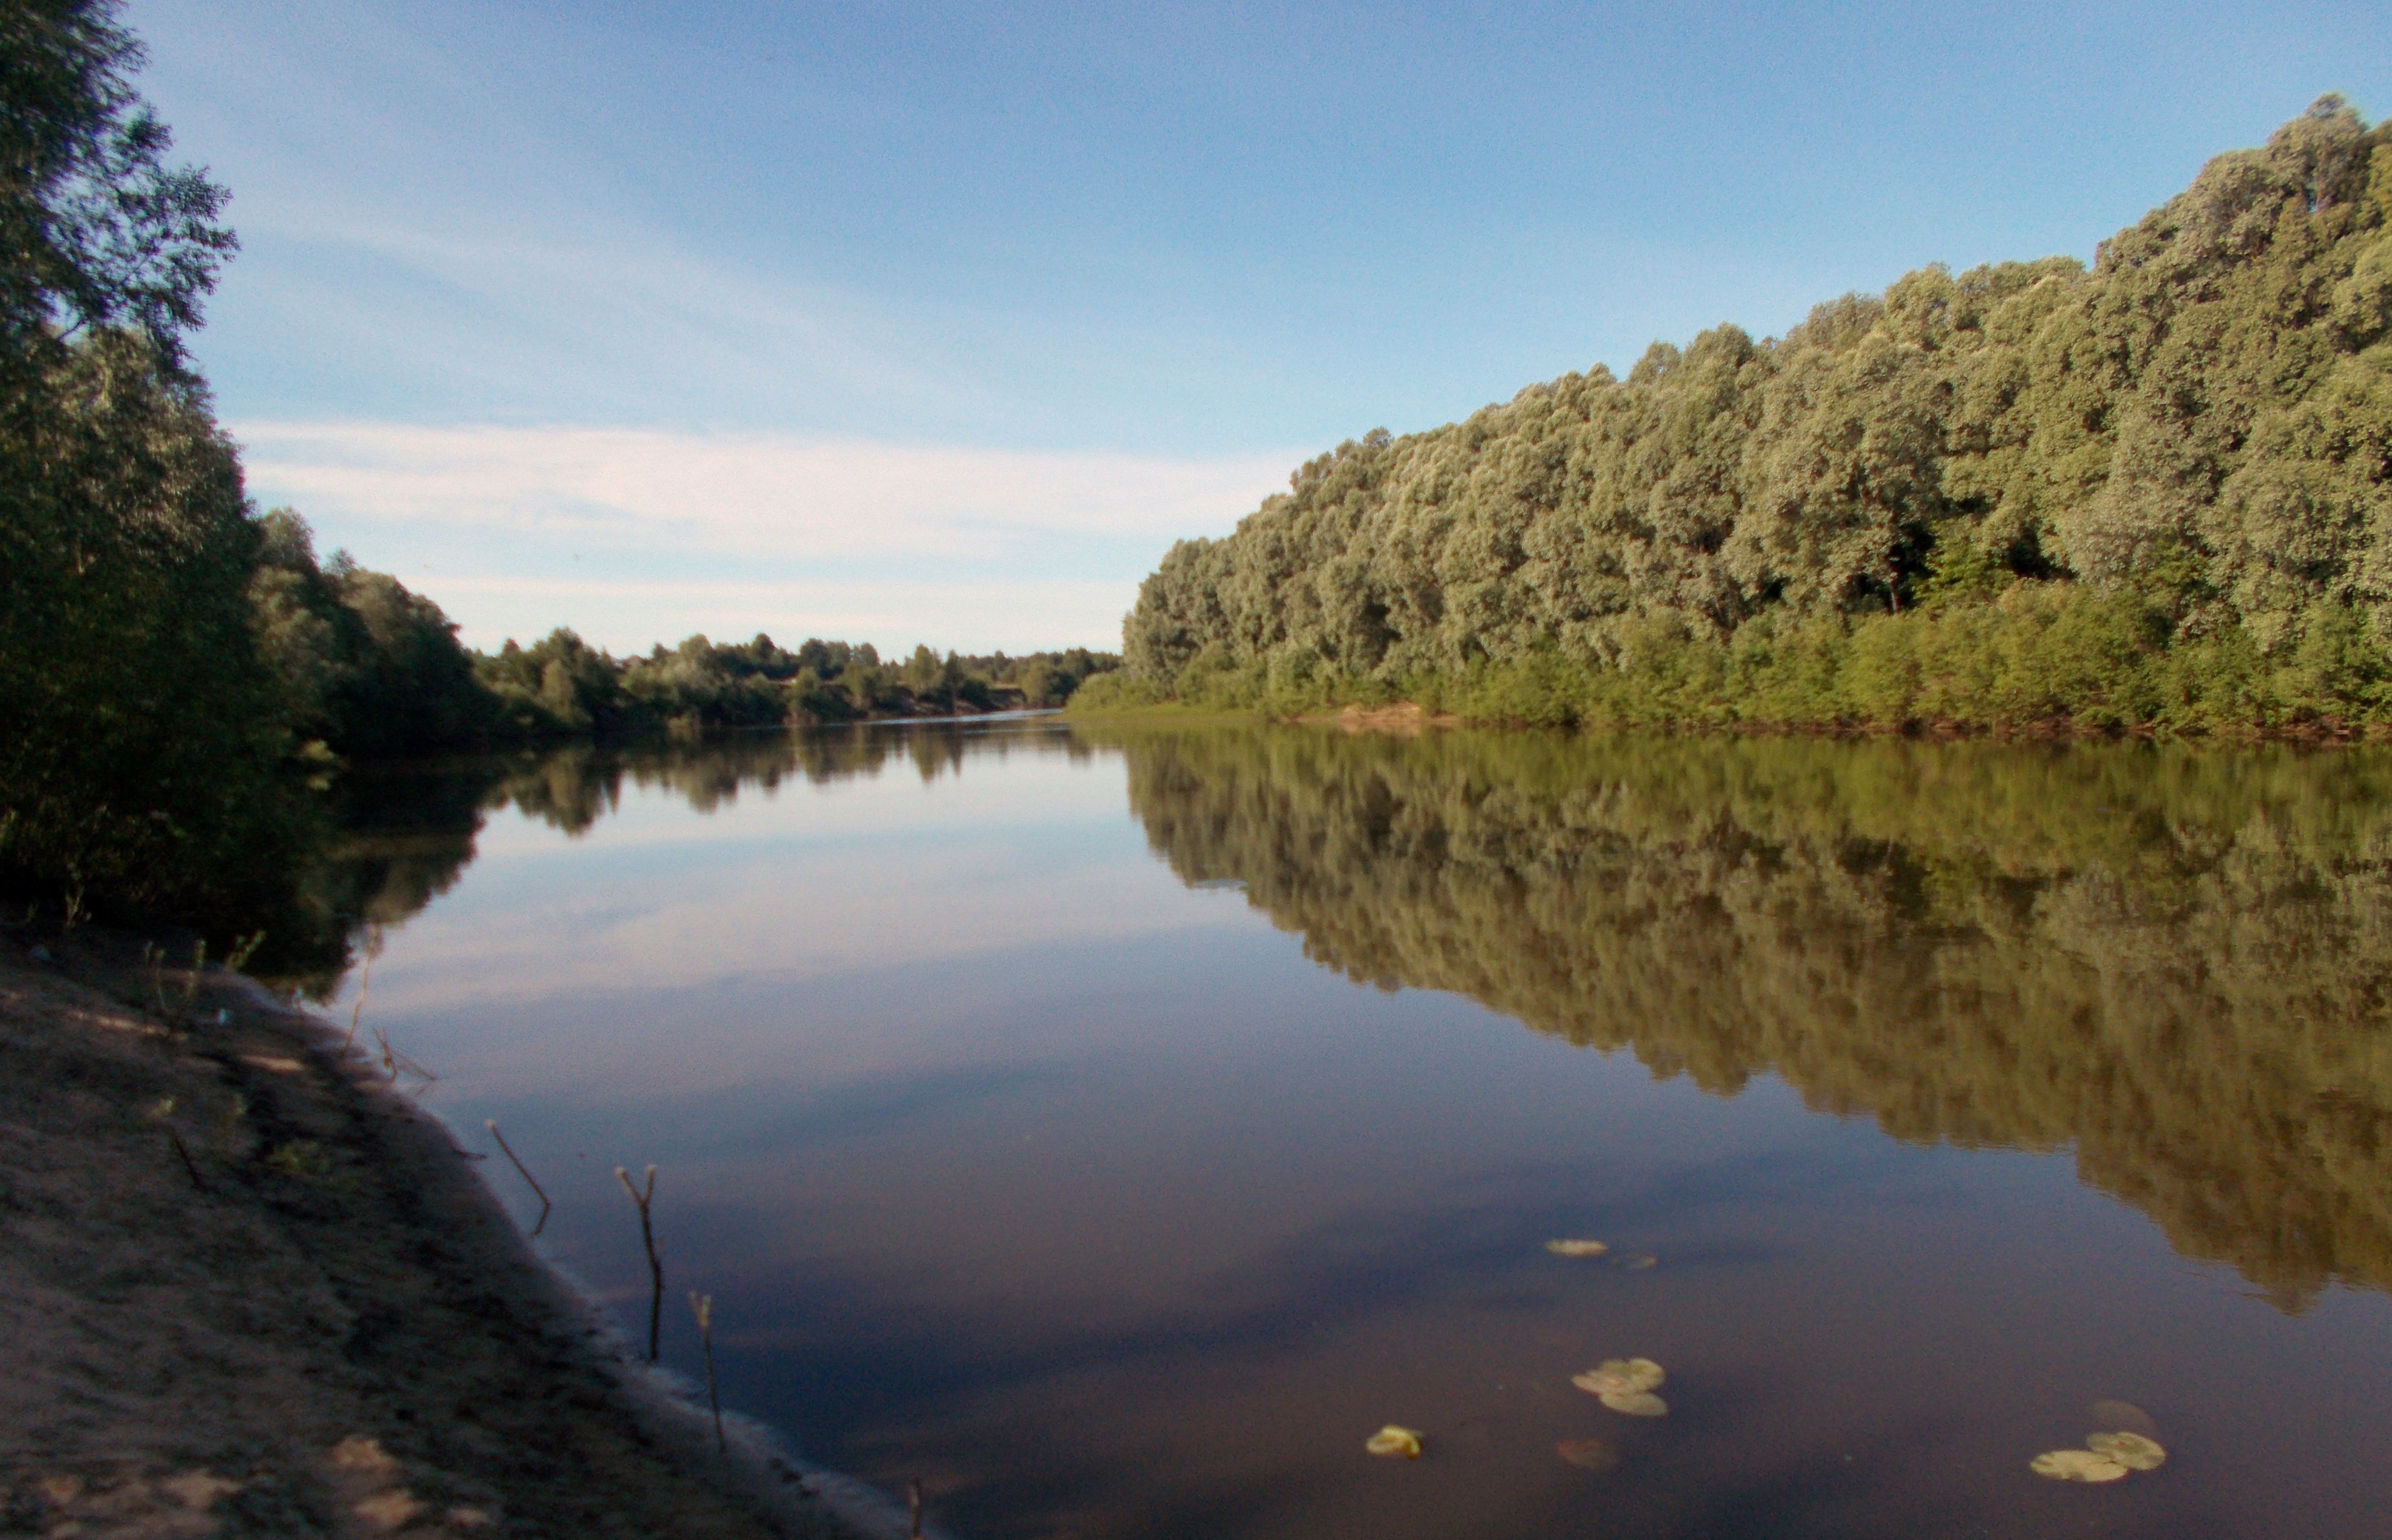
x,y
97,229
2188,444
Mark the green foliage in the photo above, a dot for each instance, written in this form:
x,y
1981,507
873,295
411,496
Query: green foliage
x,y
366,666
2027,493
561,687
140,759
97,232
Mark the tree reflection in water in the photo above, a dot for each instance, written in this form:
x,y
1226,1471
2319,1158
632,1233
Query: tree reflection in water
x,y
2173,959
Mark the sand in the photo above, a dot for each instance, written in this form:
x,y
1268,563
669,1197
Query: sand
x,y
248,1290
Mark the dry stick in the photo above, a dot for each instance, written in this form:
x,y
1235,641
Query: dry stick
x,y
702,1306
365,982
190,1167
648,1238
492,1124
193,980
155,956
913,1504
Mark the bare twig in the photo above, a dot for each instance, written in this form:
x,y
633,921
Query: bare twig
x,y
365,982
192,979
702,1306
159,1114
913,1504
492,1124
190,1167
154,957
644,1198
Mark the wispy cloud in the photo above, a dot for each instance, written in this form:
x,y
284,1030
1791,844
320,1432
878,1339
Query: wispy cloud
x,y
639,535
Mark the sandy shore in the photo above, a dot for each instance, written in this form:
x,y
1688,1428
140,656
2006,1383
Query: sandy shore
x,y
249,1291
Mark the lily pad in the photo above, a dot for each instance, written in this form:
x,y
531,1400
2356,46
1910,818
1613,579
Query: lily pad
x,y
1621,1376
1577,1248
1636,1403
2131,1450
2125,1415
2076,1465
1588,1453
1393,1442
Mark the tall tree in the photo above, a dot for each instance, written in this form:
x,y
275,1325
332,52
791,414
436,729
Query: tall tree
x,y
140,734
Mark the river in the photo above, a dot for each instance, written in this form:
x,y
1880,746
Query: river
x,y
1114,1127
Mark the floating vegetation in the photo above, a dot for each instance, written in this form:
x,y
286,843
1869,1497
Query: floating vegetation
x,y
1589,1455
1626,1385
1393,1442
1577,1248
1621,1376
2106,1454
2076,1465
2131,1450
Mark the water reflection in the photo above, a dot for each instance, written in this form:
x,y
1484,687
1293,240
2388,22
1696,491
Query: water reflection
x,y
1015,1108
407,829
2174,961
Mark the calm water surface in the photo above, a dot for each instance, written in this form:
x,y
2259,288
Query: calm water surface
x,y
1114,1128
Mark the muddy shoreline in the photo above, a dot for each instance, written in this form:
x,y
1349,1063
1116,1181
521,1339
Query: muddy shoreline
x,y
250,1290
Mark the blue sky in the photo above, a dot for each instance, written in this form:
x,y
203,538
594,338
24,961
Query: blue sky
x,y
940,323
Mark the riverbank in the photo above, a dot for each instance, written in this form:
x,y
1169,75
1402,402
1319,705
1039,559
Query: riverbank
x,y
252,1292
1408,717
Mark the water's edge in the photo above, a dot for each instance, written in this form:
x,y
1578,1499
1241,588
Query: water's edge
x,y
763,1464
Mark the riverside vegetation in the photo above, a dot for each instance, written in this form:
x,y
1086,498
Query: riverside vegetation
x,y
2153,493
180,676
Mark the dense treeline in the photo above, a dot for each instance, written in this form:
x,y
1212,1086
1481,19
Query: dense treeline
x,y
178,673
2171,961
2155,492
367,668
139,750
560,686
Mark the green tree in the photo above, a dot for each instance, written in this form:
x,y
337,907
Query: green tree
x,y
97,230
2185,452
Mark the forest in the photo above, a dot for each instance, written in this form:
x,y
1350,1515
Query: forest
x,y
2152,493
182,681
2167,959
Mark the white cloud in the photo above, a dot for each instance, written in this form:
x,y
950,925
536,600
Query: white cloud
x,y
753,493
633,535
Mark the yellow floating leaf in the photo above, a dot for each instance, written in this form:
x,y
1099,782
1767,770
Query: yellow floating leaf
x,y
2076,1465
2125,1415
1393,1440
2131,1450
1588,1454
1621,1376
1636,1403
1577,1248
